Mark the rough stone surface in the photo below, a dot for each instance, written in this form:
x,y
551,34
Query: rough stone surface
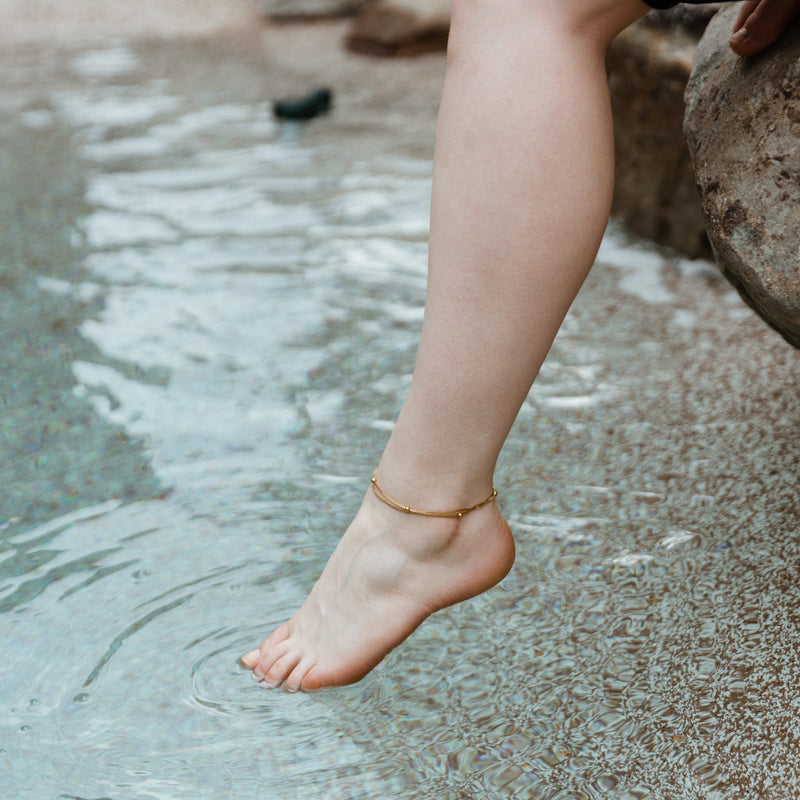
x,y
298,9
400,27
743,128
655,195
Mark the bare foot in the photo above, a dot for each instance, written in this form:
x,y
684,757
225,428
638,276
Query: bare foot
x,y
760,23
388,573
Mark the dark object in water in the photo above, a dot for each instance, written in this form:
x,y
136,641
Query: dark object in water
x,y
316,102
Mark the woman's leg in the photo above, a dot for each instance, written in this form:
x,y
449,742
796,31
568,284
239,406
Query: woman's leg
x,y
522,188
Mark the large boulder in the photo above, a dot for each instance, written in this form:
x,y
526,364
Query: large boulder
x,y
743,129
648,68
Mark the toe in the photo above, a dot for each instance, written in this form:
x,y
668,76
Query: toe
x,y
267,659
294,681
280,670
280,634
254,657
316,678
250,659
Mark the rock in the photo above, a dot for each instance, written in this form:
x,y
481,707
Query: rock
x,y
692,19
312,104
648,68
298,9
743,128
400,27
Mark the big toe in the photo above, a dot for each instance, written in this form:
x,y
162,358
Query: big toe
x,y
258,656
250,659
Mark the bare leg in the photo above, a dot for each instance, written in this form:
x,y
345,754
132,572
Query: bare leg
x,y
522,189
760,23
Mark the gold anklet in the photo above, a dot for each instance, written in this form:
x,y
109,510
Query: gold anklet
x,y
383,497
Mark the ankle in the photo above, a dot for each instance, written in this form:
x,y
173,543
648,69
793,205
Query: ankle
x,y
433,493
451,513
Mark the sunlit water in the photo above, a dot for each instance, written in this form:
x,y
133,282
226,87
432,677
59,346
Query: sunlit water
x,y
263,288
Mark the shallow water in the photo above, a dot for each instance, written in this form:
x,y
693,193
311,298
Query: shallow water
x,y
252,298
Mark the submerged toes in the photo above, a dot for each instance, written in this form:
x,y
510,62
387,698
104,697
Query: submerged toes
x,y
278,665
271,649
280,670
250,659
294,681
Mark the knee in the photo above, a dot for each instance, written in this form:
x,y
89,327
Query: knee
x,y
596,20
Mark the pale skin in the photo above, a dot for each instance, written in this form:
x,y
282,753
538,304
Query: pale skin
x,y
523,173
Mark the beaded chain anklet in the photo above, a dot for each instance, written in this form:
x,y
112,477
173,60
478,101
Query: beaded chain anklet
x,y
383,497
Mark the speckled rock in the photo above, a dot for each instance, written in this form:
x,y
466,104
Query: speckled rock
x,y
654,192
743,128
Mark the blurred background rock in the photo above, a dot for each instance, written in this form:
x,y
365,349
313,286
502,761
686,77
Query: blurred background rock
x,y
649,67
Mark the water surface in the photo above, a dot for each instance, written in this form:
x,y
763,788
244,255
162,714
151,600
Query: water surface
x,y
249,297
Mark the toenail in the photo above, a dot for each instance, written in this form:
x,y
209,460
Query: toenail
x,y
270,684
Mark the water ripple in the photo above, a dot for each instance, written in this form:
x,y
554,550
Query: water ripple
x,y
262,293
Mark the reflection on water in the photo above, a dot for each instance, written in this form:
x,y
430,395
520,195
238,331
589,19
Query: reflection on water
x,y
263,290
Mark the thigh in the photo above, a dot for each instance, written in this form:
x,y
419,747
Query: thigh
x,y
478,25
